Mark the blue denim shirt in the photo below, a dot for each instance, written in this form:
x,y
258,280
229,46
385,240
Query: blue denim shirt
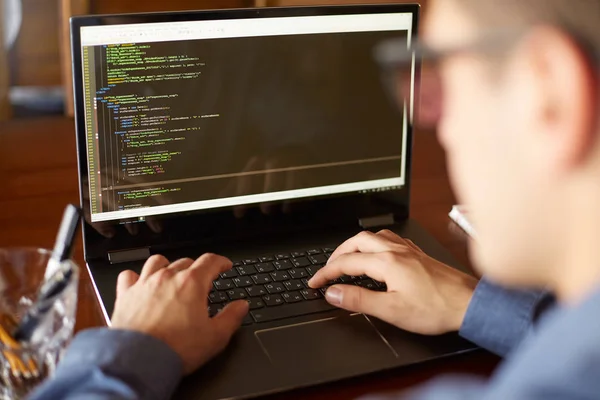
x,y
558,357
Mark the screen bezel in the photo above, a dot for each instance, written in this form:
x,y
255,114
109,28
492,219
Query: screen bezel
x,y
212,225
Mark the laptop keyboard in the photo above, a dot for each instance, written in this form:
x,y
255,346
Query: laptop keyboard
x,y
276,286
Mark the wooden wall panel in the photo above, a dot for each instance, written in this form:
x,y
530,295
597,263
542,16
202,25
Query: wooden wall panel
x,y
124,6
41,57
5,108
275,3
35,58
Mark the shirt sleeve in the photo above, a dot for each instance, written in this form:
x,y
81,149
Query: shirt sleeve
x,y
446,388
499,319
114,364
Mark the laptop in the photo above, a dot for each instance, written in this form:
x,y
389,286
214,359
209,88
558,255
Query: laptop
x,y
264,135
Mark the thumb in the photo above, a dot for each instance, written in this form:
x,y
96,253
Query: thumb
x,y
357,299
228,321
126,280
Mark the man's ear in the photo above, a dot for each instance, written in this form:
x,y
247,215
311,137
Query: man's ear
x,y
566,97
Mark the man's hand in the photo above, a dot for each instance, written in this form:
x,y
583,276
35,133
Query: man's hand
x,y
423,295
169,302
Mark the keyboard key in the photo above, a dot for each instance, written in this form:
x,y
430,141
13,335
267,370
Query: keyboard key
x,y
297,254
282,265
313,269
318,259
243,281
298,273
237,263
367,284
292,297
305,283
273,300
256,291
250,261
262,279
290,310
247,320
301,262
256,302
347,279
381,286
266,259
312,252
223,284
280,276
232,273
237,294
275,287
328,249
217,297
264,267
282,256
311,294
328,255
293,285
246,270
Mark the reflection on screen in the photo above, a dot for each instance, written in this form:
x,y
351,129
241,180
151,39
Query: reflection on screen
x,y
182,125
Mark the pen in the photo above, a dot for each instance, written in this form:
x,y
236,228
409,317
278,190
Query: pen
x,y
58,276
65,239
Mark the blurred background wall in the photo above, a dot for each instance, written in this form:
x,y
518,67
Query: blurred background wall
x,y
35,62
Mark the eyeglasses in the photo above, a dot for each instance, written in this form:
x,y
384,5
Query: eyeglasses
x,y
406,66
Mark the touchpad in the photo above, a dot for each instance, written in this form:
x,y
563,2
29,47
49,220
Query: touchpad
x,y
327,348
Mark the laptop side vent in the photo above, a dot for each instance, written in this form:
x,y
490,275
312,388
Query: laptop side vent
x,y
376,222
117,257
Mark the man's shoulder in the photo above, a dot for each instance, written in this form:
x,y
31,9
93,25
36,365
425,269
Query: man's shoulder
x,y
561,356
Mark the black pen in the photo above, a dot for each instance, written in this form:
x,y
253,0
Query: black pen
x,y
57,276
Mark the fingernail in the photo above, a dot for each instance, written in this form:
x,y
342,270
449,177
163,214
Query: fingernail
x,y
334,296
310,281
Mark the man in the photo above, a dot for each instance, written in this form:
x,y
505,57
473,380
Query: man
x,y
521,129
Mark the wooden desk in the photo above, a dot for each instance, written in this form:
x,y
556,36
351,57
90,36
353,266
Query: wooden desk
x,y
38,177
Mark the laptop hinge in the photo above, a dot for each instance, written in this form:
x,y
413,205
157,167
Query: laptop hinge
x,y
117,257
378,221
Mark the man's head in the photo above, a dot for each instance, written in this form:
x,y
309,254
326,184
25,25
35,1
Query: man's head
x,y
521,129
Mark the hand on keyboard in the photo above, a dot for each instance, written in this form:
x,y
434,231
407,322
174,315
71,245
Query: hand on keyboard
x,y
169,302
423,295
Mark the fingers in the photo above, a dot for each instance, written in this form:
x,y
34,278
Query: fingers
x,y
181,264
105,229
291,182
274,182
246,183
391,236
126,280
208,267
411,244
132,228
365,242
154,225
357,299
376,266
153,264
227,322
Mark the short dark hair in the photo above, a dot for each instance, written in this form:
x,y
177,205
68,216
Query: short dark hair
x,y
581,18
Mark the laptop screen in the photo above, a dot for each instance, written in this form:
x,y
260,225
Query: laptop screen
x,y
196,115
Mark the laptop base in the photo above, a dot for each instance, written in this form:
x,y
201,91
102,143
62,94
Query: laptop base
x,y
289,353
